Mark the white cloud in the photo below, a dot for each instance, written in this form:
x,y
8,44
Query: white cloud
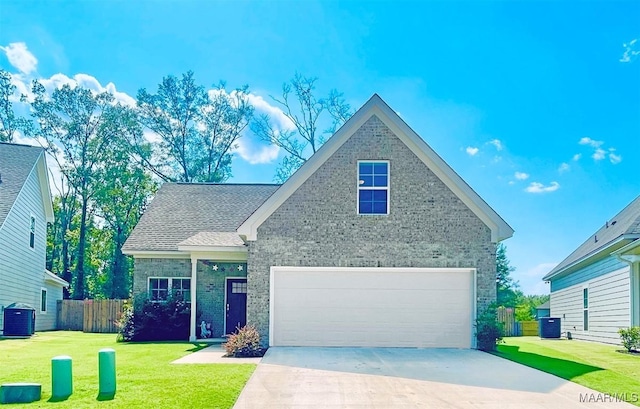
x,y
472,151
591,142
577,156
20,57
629,52
564,167
537,187
598,154
89,82
256,154
521,176
496,143
274,113
615,159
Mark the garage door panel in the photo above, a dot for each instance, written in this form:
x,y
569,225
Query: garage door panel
x,y
372,307
363,280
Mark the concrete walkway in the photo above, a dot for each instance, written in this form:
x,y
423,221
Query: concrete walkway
x,y
213,354
407,378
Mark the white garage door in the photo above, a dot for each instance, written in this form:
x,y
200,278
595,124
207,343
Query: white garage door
x,y
373,307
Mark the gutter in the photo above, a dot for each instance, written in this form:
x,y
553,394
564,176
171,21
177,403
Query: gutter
x,y
593,254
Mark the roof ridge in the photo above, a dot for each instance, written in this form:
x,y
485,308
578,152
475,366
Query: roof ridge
x,y
24,145
222,184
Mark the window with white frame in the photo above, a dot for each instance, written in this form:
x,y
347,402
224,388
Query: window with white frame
x,y
43,300
159,288
585,309
181,287
32,232
373,187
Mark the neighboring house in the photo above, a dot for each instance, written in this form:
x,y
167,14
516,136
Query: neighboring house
x,y
596,289
374,241
543,310
25,210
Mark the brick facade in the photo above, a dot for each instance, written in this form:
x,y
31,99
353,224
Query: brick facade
x,y
210,296
318,225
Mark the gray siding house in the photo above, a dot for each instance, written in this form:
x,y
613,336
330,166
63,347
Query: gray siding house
x,y
25,210
596,289
374,241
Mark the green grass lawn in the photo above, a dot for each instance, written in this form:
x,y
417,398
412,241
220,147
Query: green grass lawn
x,y
145,376
596,366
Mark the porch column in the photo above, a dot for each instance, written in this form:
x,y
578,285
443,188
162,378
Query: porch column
x,y
194,268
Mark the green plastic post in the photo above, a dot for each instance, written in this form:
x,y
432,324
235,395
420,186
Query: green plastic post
x,y
61,377
107,371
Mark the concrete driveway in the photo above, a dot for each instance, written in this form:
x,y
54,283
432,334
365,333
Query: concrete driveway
x,y
289,377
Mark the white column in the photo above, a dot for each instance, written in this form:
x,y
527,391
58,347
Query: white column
x,y
194,268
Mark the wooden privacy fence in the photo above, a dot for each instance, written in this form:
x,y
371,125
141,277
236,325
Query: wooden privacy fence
x,y
513,328
508,319
529,328
70,315
89,315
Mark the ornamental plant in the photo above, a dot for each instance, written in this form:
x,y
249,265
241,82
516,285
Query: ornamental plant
x,y
630,338
489,331
245,342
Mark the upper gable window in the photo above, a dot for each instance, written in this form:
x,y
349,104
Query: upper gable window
x,y
373,187
32,232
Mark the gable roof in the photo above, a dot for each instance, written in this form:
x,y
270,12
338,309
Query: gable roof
x,y
181,212
617,232
16,164
500,230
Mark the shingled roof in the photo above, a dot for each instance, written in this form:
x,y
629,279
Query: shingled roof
x,y
16,163
624,225
180,211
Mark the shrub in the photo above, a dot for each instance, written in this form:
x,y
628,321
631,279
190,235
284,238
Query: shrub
x,y
244,342
155,321
488,330
630,338
126,326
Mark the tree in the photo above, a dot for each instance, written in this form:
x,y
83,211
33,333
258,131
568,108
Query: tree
x,y
120,200
9,123
527,305
305,111
77,127
507,289
60,246
196,129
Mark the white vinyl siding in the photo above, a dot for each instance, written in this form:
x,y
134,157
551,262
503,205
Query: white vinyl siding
x,y
608,306
372,307
21,267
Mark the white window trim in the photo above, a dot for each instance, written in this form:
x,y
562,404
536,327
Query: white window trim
x,y
169,286
46,295
586,287
387,188
35,228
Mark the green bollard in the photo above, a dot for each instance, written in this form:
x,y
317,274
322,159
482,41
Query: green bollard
x,y
61,377
107,371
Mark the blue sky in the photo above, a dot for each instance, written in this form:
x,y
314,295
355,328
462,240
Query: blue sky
x,y
535,104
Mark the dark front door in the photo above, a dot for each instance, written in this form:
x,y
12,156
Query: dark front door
x,y
236,304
